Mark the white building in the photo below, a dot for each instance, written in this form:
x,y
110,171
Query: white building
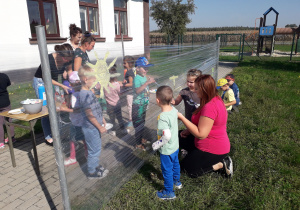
x,y
104,18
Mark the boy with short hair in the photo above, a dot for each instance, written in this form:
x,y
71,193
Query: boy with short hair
x,y
168,144
92,120
226,93
231,81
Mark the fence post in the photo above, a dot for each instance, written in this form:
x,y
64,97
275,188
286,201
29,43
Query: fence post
x,y
123,51
243,47
292,47
217,55
42,44
240,47
193,40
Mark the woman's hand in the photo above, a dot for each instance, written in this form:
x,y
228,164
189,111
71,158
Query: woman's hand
x,y
185,133
66,88
65,74
180,116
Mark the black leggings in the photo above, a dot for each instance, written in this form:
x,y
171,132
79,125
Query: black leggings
x,y
197,162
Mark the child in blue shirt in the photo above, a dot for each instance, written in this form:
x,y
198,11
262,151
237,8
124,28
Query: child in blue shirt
x,y
93,123
230,79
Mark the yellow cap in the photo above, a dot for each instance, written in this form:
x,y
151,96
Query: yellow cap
x,y
222,82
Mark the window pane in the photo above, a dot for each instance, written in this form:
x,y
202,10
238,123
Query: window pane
x,y
50,18
93,13
120,3
123,17
34,15
83,19
117,23
89,1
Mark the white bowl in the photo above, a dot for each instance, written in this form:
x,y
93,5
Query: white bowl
x,y
32,106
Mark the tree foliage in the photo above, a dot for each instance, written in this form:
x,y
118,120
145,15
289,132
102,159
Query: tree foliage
x,y
291,26
171,16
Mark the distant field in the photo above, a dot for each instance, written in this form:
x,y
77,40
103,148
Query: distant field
x,y
209,32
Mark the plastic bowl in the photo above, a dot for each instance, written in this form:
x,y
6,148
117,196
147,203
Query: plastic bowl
x,y
32,106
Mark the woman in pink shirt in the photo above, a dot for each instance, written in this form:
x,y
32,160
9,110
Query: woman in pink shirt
x,y
208,150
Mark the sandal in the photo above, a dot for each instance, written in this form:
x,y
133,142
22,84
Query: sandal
x,y
140,146
145,141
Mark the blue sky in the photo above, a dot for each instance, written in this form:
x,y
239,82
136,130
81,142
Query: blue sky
x,y
216,13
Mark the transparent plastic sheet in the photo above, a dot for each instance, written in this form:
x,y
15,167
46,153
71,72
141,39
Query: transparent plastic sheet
x,y
118,152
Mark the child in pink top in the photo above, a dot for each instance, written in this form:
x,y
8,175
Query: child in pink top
x,y
112,98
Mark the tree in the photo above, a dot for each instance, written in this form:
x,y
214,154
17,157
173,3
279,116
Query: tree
x,y
291,26
171,16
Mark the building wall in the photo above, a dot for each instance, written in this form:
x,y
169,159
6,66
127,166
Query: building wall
x,y
17,53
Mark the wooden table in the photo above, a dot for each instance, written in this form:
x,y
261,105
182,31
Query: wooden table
x,y
32,119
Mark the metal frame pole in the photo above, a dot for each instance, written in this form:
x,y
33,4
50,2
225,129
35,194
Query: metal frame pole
x,y
218,57
292,47
240,48
243,47
42,44
123,50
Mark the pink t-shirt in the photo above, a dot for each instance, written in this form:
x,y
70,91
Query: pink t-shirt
x,y
217,141
112,93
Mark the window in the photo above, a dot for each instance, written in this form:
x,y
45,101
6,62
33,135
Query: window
x,y
120,7
43,13
89,16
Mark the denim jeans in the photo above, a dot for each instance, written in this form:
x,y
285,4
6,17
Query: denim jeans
x,y
170,169
76,133
45,120
93,142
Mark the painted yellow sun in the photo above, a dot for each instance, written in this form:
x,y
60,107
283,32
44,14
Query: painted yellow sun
x,y
101,72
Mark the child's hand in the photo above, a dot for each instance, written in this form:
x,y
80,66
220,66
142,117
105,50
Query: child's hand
x,y
173,101
150,80
185,133
102,129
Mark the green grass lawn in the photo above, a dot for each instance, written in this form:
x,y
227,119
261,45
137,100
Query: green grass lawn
x,y
265,149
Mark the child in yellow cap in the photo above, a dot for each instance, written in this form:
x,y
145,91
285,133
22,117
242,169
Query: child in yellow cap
x,y
226,93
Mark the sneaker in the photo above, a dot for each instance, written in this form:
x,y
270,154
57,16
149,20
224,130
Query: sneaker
x,y
2,145
125,131
113,133
99,173
95,175
13,140
129,124
177,185
164,195
101,170
70,161
183,153
228,166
